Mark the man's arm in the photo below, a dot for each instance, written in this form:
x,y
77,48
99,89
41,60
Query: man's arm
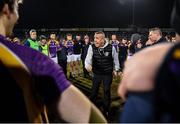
x,y
73,106
88,60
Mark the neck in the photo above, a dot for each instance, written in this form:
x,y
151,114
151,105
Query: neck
x,y
2,29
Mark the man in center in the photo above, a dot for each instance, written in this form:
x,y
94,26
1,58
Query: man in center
x,y
102,59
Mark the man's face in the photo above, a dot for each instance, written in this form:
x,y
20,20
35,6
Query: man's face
x,y
99,40
43,41
139,44
124,41
78,38
69,38
33,35
53,36
13,16
113,37
153,36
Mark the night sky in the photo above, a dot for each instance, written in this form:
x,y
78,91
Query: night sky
x,y
94,13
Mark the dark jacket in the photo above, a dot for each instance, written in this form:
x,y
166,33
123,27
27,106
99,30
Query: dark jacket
x,y
123,51
62,54
102,60
161,40
84,51
77,47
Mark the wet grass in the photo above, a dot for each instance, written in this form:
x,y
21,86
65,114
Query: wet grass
x,y
85,84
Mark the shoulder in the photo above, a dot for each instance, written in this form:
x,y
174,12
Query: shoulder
x,y
110,47
40,65
149,59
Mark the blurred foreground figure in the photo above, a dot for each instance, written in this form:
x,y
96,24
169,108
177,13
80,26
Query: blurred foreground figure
x,y
31,82
151,88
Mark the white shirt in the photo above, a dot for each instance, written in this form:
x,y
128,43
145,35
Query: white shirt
x,y
88,60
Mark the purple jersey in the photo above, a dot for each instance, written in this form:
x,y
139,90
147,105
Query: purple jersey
x,y
115,44
52,49
38,64
47,76
70,47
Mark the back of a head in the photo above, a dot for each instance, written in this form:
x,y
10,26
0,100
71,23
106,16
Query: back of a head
x,y
135,38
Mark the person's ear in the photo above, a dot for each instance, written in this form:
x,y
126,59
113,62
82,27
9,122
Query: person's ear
x,y
6,10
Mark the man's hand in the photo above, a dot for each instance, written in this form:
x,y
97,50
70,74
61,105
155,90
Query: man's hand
x,y
115,73
120,73
89,68
149,42
141,69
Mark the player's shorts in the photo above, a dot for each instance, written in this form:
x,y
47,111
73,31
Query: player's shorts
x,y
70,58
77,57
55,59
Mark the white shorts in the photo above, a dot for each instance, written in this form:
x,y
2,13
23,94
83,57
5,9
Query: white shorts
x,y
77,57
70,58
55,59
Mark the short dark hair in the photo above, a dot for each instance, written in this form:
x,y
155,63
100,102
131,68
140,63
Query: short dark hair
x,y
78,35
124,38
68,34
52,33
